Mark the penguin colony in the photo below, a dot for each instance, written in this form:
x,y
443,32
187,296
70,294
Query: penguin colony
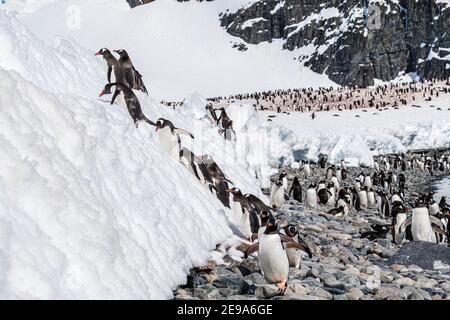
x,y
377,98
277,247
383,189
282,247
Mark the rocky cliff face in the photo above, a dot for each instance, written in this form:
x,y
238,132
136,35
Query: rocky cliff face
x,y
353,41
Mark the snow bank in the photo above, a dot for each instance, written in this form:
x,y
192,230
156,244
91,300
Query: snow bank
x,y
358,139
90,206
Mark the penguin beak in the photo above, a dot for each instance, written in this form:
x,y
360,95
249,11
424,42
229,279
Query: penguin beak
x,y
101,93
156,129
229,190
98,53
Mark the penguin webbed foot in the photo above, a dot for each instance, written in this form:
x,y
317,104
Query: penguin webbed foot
x,y
281,288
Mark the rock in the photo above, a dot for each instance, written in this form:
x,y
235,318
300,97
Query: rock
x,y
403,281
255,278
199,293
340,297
423,282
389,292
209,267
314,228
422,254
399,268
414,268
296,288
216,295
301,273
413,293
445,286
340,236
319,292
266,291
354,294
386,277
236,283
301,297
242,270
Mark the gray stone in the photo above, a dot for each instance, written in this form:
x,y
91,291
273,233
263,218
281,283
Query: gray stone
x,y
354,294
266,291
389,292
445,286
255,278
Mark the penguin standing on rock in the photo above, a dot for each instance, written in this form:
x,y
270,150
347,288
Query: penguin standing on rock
x,y
132,76
132,102
169,137
311,199
272,254
277,194
297,189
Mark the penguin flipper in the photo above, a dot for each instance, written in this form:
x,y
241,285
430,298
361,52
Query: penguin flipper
x,y
300,246
439,231
109,73
251,249
116,93
181,131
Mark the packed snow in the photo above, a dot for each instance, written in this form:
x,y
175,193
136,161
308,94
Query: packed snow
x,y
90,206
358,139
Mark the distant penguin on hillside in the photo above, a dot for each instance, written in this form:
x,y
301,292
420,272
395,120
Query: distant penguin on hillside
x,y
195,165
324,195
169,137
306,169
371,198
132,76
132,102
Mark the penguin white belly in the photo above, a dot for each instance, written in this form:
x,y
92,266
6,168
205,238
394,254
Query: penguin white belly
x,y
342,203
307,170
311,198
242,220
363,199
261,230
434,209
273,259
368,182
285,183
371,199
332,198
376,166
277,196
396,197
401,217
170,142
336,183
421,226
294,257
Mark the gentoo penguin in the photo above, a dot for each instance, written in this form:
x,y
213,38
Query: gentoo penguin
x,y
169,137
330,172
343,165
433,207
335,182
195,165
396,197
332,199
219,189
324,195
368,181
383,203
113,64
132,102
283,179
322,185
311,197
297,189
214,169
265,216
251,201
277,195
211,114
363,199
421,228
272,255
132,76
376,166
337,211
306,169
443,203
294,254
244,215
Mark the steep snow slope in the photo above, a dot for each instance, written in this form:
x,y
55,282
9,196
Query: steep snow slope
x,y
90,206
178,47
357,139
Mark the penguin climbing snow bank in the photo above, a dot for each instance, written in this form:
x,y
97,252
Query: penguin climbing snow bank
x,y
169,137
132,102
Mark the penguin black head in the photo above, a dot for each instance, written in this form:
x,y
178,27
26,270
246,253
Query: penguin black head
x,y
107,89
162,123
103,52
265,216
122,53
271,226
291,230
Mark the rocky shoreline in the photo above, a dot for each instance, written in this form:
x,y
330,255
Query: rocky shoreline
x,y
344,265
